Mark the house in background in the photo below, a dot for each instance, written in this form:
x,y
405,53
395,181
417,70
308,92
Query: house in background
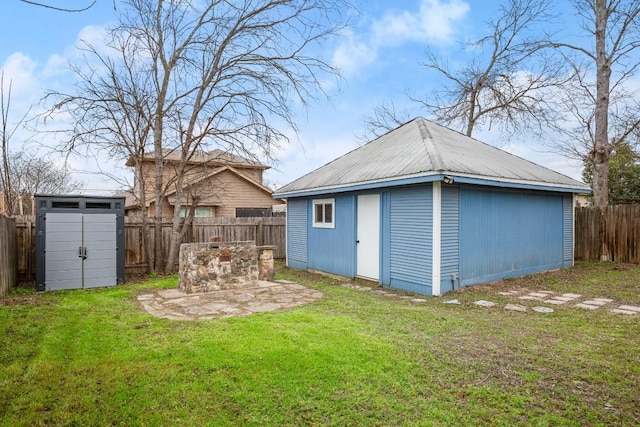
x,y
226,185
428,210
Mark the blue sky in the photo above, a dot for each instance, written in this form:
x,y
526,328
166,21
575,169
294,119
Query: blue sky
x,y
379,57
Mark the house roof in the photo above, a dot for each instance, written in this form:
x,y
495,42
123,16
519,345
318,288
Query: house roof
x,y
422,151
217,157
132,200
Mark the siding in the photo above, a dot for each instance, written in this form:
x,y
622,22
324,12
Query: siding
x,y
334,249
567,230
235,192
508,233
410,240
297,233
450,260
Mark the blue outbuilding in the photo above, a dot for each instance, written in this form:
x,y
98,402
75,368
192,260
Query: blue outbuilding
x,y
426,209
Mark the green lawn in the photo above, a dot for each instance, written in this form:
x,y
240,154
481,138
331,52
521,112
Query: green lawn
x,y
84,358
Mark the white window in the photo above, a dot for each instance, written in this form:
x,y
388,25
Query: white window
x,y
323,213
200,212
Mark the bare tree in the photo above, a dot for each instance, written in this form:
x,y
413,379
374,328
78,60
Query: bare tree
x,y
605,110
214,74
30,174
59,8
505,83
7,132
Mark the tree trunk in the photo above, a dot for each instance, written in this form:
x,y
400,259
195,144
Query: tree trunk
x,y
602,148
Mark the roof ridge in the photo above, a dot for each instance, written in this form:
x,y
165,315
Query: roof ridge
x,y
431,149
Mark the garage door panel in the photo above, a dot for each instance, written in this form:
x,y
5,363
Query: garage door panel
x,y
503,233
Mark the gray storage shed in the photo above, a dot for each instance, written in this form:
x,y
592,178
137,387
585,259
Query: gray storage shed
x,y
79,241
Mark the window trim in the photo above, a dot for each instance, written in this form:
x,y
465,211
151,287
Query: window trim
x,y
324,203
185,211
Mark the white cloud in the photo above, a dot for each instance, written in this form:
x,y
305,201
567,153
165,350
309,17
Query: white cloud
x,y
434,22
19,70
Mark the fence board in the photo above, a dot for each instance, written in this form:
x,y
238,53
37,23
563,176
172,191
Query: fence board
x,y
615,236
8,262
265,231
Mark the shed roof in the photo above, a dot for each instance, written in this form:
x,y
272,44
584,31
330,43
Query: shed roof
x,y
422,149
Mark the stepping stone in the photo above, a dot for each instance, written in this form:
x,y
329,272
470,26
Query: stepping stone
x,y
452,301
594,302
538,294
565,299
555,301
286,282
418,300
543,309
146,297
509,293
602,299
364,288
172,293
515,307
530,298
569,295
547,292
483,303
630,308
588,306
621,311
346,285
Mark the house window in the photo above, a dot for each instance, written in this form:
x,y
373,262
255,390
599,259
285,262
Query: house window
x,y
200,212
323,213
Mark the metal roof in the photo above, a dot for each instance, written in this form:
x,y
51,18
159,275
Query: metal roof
x,y
420,148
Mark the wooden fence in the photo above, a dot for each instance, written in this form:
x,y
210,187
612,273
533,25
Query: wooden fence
x,y
8,270
614,236
265,231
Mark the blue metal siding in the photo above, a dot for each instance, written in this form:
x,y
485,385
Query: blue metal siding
x,y
385,235
508,233
297,233
410,239
450,239
567,225
334,249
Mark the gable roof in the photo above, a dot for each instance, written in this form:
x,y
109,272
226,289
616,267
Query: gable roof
x,y
132,201
422,151
216,157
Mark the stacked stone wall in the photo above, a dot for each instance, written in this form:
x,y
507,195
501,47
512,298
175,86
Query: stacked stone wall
x,y
214,266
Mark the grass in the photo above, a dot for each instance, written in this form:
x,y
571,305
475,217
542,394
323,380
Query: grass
x,y
352,358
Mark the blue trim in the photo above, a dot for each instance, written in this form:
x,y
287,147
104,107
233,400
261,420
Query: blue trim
x,y
425,179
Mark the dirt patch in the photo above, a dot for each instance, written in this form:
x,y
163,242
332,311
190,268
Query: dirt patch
x,y
24,299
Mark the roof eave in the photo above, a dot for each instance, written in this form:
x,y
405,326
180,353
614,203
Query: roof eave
x,y
435,176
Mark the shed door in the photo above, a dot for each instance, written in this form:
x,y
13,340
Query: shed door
x,y
100,242
63,240
368,246
80,251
